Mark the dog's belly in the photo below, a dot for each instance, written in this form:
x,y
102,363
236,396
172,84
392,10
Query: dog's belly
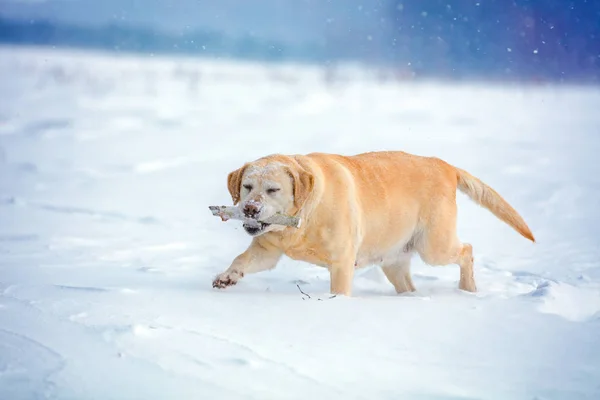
x,y
395,251
396,254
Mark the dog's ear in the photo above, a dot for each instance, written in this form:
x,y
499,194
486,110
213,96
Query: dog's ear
x,y
234,182
304,182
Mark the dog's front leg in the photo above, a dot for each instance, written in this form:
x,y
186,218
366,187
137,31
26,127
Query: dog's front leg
x,y
341,274
258,257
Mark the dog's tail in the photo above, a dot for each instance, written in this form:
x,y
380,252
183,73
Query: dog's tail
x,y
487,197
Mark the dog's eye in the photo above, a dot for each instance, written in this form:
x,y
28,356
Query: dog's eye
x,y
248,187
273,190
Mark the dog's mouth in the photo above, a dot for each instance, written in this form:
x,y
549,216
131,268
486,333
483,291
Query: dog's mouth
x,y
255,229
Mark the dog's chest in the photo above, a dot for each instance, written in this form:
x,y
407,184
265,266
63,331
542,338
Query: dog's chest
x,y
309,253
308,248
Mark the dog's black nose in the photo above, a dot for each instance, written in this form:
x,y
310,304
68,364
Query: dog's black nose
x,y
251,210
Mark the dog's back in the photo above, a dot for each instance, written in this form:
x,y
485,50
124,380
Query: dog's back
x,y
389,194
398,197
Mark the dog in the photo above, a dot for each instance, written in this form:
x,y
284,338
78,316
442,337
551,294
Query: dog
x,y
375,208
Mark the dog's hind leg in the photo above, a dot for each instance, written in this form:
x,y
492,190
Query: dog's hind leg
x,y
398,273
439,244
465,261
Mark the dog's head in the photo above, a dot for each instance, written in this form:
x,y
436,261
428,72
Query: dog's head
x,y
269,185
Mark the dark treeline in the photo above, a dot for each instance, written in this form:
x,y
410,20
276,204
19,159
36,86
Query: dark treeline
x,y
147,40
550,40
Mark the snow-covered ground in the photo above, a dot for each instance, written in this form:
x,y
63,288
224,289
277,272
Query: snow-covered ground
x,y
108,249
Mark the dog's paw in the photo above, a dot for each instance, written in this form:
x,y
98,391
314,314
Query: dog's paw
x,y
227,279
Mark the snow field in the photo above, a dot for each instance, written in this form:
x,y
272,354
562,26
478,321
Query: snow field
x,y
108,249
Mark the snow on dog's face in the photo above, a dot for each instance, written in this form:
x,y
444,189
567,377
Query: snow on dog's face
x,y
270,185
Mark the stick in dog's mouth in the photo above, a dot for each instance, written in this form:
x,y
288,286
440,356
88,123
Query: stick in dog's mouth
x,y
231,212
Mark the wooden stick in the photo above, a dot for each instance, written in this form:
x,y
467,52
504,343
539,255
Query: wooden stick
x,y
232,212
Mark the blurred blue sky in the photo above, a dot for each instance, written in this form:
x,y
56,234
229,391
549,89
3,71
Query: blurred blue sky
x,y
555,40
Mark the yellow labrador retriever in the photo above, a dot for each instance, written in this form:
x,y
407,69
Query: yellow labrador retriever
x,y
372,208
